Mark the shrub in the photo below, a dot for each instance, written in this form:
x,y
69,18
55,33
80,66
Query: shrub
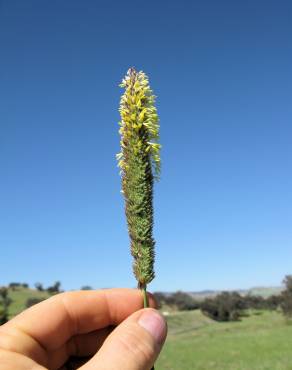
x,y
179,300
39,287
5,301
86,287
160,298
54,288
14,285
274,302
224,307
286,296
256,302
183,301
32,301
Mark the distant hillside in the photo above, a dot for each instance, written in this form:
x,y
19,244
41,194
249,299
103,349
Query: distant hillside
x,y
20,295
262,291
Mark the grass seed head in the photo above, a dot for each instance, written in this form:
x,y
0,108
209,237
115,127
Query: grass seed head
x,y
139,161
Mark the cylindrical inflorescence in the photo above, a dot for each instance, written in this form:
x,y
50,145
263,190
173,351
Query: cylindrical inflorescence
x,y
139,161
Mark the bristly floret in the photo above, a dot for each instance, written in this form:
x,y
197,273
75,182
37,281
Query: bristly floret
x,y
139,161
137,110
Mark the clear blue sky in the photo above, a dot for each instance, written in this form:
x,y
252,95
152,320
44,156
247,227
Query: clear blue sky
x,y
222,73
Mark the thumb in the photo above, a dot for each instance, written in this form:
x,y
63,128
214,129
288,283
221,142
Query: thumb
x,y
133,345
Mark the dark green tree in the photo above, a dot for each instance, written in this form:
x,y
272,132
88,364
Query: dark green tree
x,y
182,301
32,301
286,304
54,288
226,306
39,287
5,302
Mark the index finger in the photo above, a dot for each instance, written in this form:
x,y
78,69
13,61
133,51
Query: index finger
x,y
53,322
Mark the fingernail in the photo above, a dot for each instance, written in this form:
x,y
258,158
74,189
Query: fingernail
x,y
155,324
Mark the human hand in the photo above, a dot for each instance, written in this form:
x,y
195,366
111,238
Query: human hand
x,y
104,325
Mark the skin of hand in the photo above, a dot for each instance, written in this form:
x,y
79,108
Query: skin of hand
x,y
106,325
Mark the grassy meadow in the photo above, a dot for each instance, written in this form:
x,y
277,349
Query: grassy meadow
x,y
19,296
260,341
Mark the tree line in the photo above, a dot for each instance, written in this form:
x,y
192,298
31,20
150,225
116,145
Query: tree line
x,y
230,306
226,306
5,300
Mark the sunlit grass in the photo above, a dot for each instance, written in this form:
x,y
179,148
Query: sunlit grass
x,y
261,341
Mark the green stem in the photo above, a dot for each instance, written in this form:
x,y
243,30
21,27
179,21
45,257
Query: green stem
x,y
145,297
145,301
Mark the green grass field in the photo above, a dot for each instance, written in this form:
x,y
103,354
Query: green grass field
x,y
260,341
19,297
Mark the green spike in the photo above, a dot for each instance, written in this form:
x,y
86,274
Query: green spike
x,y
139,161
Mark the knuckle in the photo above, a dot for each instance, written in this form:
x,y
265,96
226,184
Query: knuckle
x,y
2,353
7,343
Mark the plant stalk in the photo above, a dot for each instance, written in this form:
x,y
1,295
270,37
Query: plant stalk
x,y
145,301
145,297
